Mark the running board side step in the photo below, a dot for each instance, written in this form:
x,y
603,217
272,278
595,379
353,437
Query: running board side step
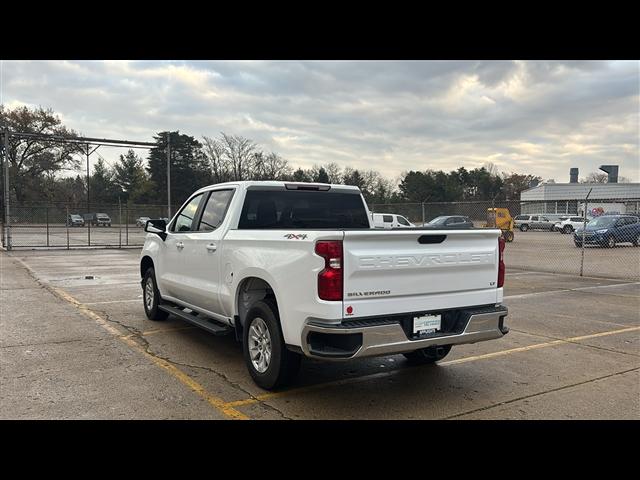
x,y
207,324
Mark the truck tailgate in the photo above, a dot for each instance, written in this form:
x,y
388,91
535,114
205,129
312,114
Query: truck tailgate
x,y
400,271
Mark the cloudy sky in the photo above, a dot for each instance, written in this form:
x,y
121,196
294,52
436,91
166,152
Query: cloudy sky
x,y
529,117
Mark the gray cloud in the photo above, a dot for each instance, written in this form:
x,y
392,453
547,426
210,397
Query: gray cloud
x,y
531,117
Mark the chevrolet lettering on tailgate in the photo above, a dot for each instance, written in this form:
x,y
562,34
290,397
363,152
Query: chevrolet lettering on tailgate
x,y
431,260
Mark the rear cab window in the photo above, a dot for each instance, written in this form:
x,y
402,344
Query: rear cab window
x,y
303,209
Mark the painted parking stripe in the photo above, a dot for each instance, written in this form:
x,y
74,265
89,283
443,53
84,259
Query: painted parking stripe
x,y
220,405
273,395
564,290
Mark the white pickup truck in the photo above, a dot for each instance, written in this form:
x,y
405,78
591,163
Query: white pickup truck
x,y
297,269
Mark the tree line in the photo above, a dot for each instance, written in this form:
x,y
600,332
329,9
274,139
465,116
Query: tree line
x,y
37,170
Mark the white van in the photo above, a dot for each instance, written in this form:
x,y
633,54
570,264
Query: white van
x,y
390,220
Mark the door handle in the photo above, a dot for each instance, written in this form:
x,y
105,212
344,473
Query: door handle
x,y
179,245
212,247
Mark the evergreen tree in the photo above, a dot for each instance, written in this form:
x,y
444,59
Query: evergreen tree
x,y
189,169
129,176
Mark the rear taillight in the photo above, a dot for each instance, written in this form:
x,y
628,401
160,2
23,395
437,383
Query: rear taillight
x,y
330,279
500,262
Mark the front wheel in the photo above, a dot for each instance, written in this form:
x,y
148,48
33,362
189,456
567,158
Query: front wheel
x,y
567,229
636,241
428,355
268,360
508,236
524,228
151,297
611,242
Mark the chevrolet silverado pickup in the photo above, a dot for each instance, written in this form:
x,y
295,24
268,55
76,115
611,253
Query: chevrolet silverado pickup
x,y
297,269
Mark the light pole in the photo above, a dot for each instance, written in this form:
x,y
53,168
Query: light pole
x,y
169,175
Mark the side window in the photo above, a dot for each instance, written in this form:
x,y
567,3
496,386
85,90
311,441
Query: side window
x,y
534,218
387,218
185,218
403,221
215,210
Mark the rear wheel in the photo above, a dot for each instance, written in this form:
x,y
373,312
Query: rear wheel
x,y
151,297
524,227
428,355
268,360
567,229
611,242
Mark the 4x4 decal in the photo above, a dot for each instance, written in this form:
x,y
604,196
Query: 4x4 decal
x,y
294,236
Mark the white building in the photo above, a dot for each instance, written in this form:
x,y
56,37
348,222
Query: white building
x,y
556,198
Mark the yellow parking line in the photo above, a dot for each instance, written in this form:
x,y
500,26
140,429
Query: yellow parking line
x,y
267,396
185,379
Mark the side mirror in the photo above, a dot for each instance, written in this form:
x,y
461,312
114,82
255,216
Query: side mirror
x,y
158,227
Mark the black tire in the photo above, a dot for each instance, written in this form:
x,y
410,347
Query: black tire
x,y
524,228
284,364
636,240
578,244
428,355
611,242
508,236
567,229
151,308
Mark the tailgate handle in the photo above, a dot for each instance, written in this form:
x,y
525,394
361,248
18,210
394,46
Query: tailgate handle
x,y
431,238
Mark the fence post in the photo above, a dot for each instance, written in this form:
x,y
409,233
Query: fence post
x,y
46,214
126,224
423,216
584,229
119,224
66,222
7,213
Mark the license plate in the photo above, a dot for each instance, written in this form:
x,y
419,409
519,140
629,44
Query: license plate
x,y
427,323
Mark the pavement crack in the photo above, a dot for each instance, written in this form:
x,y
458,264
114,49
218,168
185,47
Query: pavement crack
x,y
46,343
220,375
564,387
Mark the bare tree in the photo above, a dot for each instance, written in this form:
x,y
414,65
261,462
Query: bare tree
x,y
215,152
30,159
597,177
334,172
239,152
274,167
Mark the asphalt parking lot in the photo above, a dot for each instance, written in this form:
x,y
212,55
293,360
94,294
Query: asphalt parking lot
x,y
74,347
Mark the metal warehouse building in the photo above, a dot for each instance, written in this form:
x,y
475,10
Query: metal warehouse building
x,y
557,198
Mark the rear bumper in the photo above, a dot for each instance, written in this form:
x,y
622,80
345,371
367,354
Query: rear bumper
x,y
385,336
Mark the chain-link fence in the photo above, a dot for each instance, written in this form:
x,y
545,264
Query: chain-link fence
x,y
543,242
70,226
547,241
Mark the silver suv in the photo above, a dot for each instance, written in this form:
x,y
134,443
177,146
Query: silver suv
x,y
533,222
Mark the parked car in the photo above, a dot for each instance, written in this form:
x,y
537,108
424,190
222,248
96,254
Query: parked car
x,y
609,230
568,224
142,221
390,220
452,221
533,222
97,219
74,220
297,269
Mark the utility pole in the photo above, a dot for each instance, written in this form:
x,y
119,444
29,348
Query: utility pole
x,y
7,219
169,175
